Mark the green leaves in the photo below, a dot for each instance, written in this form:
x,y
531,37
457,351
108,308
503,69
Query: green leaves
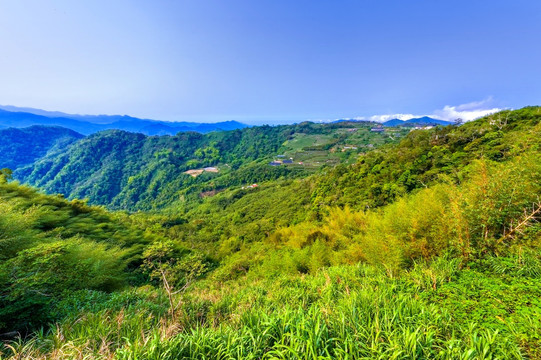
x,y
169,263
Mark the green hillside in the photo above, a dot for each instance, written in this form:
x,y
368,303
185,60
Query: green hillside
x,y
50,247
380,177
424,157
131,171
427,247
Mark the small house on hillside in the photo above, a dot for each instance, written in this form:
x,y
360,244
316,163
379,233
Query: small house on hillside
x,y
287,162
275,163
377,129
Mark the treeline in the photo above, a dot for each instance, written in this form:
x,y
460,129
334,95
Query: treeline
x,y
243,216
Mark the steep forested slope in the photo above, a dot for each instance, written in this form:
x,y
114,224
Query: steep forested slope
x,y
123,169
20,147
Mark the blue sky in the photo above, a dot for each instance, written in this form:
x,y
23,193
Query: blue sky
x,y
271,61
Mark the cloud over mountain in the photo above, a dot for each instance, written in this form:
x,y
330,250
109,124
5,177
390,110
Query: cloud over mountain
x,y
466,112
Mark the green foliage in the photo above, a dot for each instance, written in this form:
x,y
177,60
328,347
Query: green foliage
x,y
50,247
341,313
165,262
34,279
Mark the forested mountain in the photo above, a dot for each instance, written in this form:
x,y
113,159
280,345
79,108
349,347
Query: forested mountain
x,y
423,159
20,147
88,124
133,171
426,157
423,245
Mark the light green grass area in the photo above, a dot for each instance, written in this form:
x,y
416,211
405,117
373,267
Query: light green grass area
x,y
301,141
347,312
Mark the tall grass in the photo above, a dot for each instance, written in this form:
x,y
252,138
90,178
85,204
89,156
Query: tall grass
x,y
348,312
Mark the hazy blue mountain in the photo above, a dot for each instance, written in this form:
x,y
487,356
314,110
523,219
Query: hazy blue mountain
x,y
394,122
425,120
11,116
35,111
22,120
20,147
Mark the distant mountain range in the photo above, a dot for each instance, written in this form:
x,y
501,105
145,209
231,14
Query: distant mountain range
x,y
11,116
425,120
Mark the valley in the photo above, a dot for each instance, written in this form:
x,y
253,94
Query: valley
x,y
328,241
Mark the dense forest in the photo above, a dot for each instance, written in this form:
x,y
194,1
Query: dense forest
x,y
387,245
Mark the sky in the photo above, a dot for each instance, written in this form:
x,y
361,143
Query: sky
x,y
271,61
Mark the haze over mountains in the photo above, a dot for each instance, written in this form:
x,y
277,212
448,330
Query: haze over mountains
x,y
20,117
11,116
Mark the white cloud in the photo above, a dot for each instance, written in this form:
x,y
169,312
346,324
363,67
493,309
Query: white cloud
x,y
466,112
452,113
475,105
381,118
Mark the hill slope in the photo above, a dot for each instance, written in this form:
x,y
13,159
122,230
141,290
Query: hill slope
x,y
424,156
132,171
20,147
50,247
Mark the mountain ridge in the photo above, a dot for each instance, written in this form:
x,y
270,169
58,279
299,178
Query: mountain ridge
x,y
11,116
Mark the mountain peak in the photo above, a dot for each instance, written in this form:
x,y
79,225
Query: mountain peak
x,y
424,120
